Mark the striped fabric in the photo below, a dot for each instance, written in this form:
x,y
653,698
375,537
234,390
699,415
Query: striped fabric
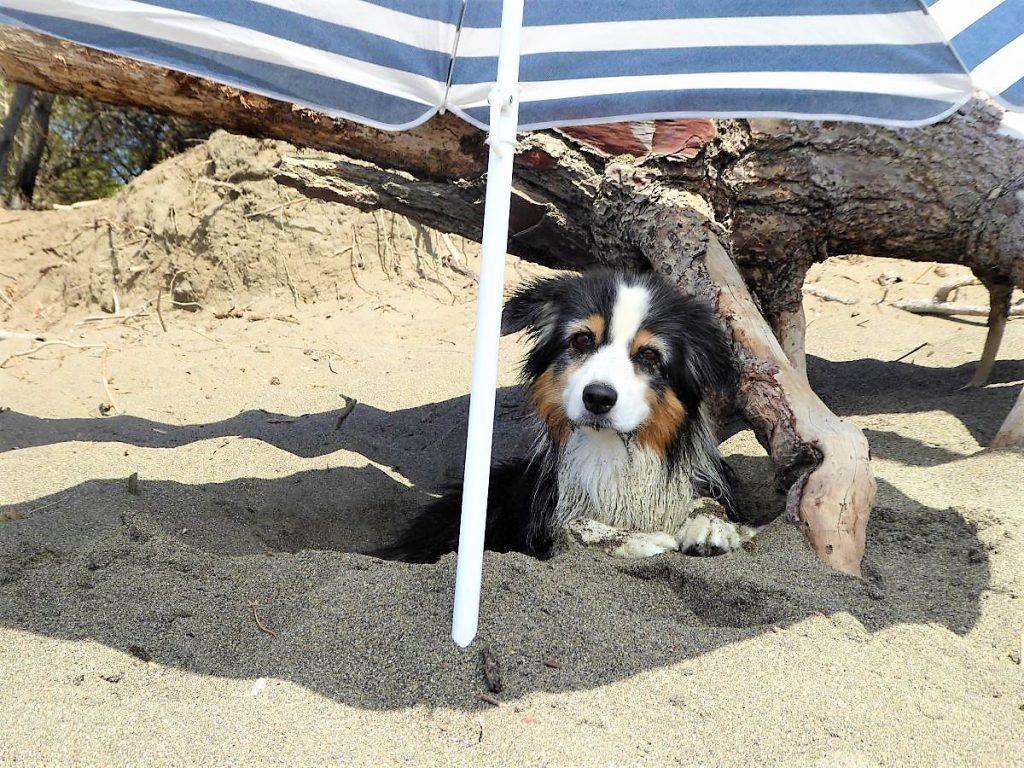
x,y
388,63
988,36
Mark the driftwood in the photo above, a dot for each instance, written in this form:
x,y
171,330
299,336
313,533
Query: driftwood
x,y
1011,433
693,199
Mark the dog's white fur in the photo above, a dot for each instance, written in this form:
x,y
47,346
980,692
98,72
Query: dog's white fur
x,y
612,365
614,493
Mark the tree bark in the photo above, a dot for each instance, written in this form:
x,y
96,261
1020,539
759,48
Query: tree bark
x,y
444,148
38,129
19,102
691,196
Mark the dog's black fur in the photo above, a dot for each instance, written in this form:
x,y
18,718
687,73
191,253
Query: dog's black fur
x,y
524,493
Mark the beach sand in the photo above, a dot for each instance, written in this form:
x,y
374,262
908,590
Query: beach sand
x,y
217,612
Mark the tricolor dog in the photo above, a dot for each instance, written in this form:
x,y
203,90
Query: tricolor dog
x,y
619,369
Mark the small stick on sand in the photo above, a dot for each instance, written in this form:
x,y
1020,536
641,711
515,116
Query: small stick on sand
x,y
352,260
350,405
277,207
943,291
52,342
490,698
908,354
159,314
259,622
106,380
827,295
918,278
946,309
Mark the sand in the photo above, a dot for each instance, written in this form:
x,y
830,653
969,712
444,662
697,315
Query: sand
x,y
221,616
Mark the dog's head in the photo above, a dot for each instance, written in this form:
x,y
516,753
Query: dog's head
x,y
619,351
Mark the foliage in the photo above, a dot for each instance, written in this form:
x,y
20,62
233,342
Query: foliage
x,y
93,150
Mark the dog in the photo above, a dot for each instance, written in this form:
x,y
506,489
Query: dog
x,y
619,371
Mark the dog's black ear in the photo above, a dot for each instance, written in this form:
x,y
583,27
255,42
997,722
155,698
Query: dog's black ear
x,y
710,364
533,306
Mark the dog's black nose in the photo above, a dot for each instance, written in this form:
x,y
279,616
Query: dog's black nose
x,y
599,398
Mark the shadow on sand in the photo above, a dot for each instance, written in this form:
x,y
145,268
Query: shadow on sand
x,y
173,572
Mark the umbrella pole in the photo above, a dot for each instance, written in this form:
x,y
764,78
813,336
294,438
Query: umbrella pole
x,y
504,118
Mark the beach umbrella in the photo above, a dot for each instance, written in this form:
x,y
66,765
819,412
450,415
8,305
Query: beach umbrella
x,y
532,64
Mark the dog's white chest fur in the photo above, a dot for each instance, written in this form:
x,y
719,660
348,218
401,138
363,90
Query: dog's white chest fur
x,y
604,478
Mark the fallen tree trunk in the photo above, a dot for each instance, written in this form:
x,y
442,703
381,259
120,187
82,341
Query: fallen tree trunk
x,y
775,196
24,185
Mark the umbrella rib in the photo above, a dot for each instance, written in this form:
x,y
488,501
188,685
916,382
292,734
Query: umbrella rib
x,y
443,106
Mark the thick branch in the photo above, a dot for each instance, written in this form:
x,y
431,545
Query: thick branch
x,y
443,148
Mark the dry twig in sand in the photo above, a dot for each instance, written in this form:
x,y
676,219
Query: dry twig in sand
x,y
456,261
929,307
279,206
352,257
827,295
350,405
259,622
51,342
159,314
943,291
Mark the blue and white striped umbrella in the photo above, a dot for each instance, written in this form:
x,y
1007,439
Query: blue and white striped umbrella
x,y
531,64
389,63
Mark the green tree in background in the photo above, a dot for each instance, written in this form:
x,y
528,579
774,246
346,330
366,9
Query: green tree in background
x,y
64,150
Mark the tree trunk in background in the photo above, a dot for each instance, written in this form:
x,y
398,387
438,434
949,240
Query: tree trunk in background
x,y
693,199
37,131
19,102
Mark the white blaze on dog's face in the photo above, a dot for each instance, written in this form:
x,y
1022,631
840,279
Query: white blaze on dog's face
x,y
608,389
620,352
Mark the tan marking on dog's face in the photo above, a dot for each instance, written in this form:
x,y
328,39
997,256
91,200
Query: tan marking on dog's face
x,y
645,338
662,427
593,323
547,401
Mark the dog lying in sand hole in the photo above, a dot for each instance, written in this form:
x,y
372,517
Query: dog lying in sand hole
x,y
619,369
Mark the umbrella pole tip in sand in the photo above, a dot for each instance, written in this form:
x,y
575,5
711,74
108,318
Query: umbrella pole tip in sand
x,y
504,119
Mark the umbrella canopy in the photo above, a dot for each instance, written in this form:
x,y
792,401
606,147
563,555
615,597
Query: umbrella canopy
x,y
393,64
530,64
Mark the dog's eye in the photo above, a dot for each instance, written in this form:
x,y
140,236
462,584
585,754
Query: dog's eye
x,y
582,341
649,356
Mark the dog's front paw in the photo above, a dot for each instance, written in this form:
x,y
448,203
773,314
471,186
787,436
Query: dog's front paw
x,y
707,536
640,545
619,543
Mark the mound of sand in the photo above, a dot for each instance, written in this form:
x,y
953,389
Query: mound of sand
x,y
212,226
216,612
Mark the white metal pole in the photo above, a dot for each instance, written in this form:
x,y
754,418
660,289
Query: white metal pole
x,y
504,119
